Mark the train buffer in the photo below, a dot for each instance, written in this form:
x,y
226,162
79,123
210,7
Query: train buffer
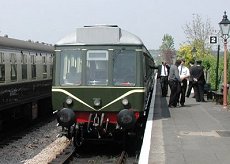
x,y
198,132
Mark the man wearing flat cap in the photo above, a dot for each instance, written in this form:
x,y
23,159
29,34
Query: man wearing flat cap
x,y
199,80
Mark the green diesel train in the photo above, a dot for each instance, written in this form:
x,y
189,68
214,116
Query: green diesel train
x,y
102,83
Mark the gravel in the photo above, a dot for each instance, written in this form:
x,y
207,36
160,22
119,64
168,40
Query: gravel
x,y
39,146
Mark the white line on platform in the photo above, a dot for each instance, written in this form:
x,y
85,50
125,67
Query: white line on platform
x,y
144,155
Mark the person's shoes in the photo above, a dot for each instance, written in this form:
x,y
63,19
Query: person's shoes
x,y
193,97
187,96
182,104
203,101
171,106
197,100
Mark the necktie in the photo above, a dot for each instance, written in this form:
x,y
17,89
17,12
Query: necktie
x,y
165,71
180,70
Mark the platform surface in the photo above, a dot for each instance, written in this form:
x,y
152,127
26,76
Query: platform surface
x,y
197,133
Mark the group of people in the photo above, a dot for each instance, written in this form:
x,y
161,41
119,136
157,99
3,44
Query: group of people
x,y
181,80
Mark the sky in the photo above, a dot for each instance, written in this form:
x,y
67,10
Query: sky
x,y
50,20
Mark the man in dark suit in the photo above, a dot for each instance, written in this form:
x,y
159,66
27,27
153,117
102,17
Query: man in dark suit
x,y
163,71
190,85
197,73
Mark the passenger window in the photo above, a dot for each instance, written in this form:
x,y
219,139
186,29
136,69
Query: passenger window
x,y
33,66
2,73
13,70
44,67
2,68
24,66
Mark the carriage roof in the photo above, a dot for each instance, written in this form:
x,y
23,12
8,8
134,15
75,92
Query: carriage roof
x,y
21,44
100,35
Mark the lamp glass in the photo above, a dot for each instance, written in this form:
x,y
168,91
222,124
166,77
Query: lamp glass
x,y
225,28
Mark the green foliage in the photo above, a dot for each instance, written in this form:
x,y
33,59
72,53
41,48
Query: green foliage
x,y
209,61
167,49
167,43
185,52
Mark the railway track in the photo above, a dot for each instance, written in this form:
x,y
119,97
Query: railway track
x,y
20,129
68,154
65,156
122,158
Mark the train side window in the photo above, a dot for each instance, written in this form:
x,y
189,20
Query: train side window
x,y
33,66
24,65
2,68
13,70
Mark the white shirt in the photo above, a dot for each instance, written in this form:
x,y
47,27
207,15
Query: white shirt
x,y
164,70
183,71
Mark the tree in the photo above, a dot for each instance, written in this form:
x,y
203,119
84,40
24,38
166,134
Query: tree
x,y
185,52
197,34
167,49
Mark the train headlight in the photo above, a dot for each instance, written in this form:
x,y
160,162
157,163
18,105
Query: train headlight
x,y
97,102
69,101
125,101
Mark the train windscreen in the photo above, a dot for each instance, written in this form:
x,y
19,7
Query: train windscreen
x,y
97,67
124,66
71,66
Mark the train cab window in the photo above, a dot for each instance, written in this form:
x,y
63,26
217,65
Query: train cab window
x,y
2,68
33,66
124,68
13,68
71,67
97,67
24,66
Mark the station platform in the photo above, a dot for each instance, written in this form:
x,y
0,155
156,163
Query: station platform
x,y
197,133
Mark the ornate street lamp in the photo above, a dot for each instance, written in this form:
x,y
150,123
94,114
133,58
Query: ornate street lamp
x,y
225,28
194,51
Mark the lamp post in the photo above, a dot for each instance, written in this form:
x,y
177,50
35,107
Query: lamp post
x,y
224,28
194,51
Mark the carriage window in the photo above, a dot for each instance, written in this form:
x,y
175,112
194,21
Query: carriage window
x,y
51,70
97,67
2,68
71,67
24,66
13,69
33,66
124,68
50,63
44,66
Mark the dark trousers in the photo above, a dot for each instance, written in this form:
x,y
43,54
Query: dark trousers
x,y
199,91
175,90
183,91
164,85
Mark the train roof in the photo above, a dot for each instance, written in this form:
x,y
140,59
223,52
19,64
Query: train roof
x,y
100,35
25,45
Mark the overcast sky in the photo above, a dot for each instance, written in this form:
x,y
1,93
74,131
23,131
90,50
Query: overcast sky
x,y
50,20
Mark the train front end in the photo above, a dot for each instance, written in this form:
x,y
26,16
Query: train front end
x,y
99,88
